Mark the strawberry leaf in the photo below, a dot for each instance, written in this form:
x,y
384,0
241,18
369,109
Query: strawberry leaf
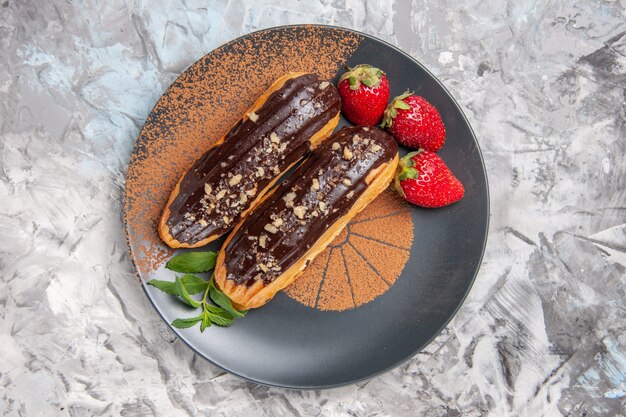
x,y
401,105
362,73
407,160
409,172
368,82
354,84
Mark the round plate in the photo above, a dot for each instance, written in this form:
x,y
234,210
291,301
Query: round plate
x,y
292,342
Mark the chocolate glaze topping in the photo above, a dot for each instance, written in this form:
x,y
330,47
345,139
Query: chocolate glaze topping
x,y
227,178
319,192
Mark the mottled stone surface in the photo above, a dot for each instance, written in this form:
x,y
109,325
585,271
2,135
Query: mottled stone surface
x,y
542,332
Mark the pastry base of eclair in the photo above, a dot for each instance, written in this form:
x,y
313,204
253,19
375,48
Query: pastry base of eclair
x,y
256,295
315,140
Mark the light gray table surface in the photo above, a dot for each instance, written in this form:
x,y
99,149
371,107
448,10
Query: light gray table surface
x,y
543,330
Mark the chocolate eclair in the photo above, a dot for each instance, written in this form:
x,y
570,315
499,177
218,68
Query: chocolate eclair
x,y
299,218
293,116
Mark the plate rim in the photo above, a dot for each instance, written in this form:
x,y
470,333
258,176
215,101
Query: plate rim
x,y
446,322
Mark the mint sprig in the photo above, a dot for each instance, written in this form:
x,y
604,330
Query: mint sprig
x,y
216,306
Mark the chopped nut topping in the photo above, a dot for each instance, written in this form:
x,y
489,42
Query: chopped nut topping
x,y
223,164
260,172
278,222
253,116
314,213
347,155
235,180
336,147
226,219
262,240
232,195
367,129
299,211
203,223
303,102
251,193
324,84
252,237
376,148
315,186
282,147
270,228
263,267
243,198
274,137
321,171
356,139
322,205
346,182
350,194
220,194
289,197
268,150
275,169
207,189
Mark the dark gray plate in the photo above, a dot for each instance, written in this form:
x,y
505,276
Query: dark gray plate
x,y
290,345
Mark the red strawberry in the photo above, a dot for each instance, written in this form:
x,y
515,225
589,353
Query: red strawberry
x,y
364,92
425,180
415,123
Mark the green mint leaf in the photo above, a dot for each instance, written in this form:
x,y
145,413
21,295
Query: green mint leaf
x,y
165,286
192,262
219,316
193,284
206,320
184,295
223,301
185,323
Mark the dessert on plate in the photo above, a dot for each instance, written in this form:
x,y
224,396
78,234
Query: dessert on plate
x,y
296,113
281,235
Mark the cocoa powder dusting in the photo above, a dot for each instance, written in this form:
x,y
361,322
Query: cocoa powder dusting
x,y
202,105
363,261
